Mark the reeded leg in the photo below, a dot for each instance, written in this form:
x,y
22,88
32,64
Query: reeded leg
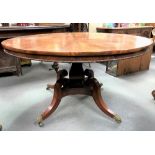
x,y
153,94
96,93
53,106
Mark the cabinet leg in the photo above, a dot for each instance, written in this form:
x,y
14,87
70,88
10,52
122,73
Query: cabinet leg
x,y
18,67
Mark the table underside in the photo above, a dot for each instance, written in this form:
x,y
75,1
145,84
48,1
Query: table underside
x,y
73,59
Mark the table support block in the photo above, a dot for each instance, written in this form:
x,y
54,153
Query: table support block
x,y
80,81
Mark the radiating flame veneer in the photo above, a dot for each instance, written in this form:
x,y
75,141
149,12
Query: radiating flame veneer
x,y
77,44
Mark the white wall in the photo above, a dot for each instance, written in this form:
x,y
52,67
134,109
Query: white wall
x,y
92,26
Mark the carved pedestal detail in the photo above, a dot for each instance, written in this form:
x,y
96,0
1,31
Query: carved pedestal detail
x,y
55,67
80,81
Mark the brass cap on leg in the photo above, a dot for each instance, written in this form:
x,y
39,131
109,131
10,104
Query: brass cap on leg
x,y
117,118
40,121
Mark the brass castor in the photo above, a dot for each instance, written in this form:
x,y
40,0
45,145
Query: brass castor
x,y
40,121
153,94
41,124
1,127
117,118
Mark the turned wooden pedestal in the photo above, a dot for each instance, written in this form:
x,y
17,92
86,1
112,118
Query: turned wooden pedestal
x,y
80,81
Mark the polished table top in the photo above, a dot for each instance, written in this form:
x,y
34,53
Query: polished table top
x,y
77,44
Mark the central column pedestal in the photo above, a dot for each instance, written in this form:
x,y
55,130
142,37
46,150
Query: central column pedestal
x,y
80,81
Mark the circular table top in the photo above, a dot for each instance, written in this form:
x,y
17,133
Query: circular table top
x,y
76,44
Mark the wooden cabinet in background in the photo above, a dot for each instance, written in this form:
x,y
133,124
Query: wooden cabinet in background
x,y
144,31
10,63
131,65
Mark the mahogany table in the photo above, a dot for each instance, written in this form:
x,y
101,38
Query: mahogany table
x,y
77,48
